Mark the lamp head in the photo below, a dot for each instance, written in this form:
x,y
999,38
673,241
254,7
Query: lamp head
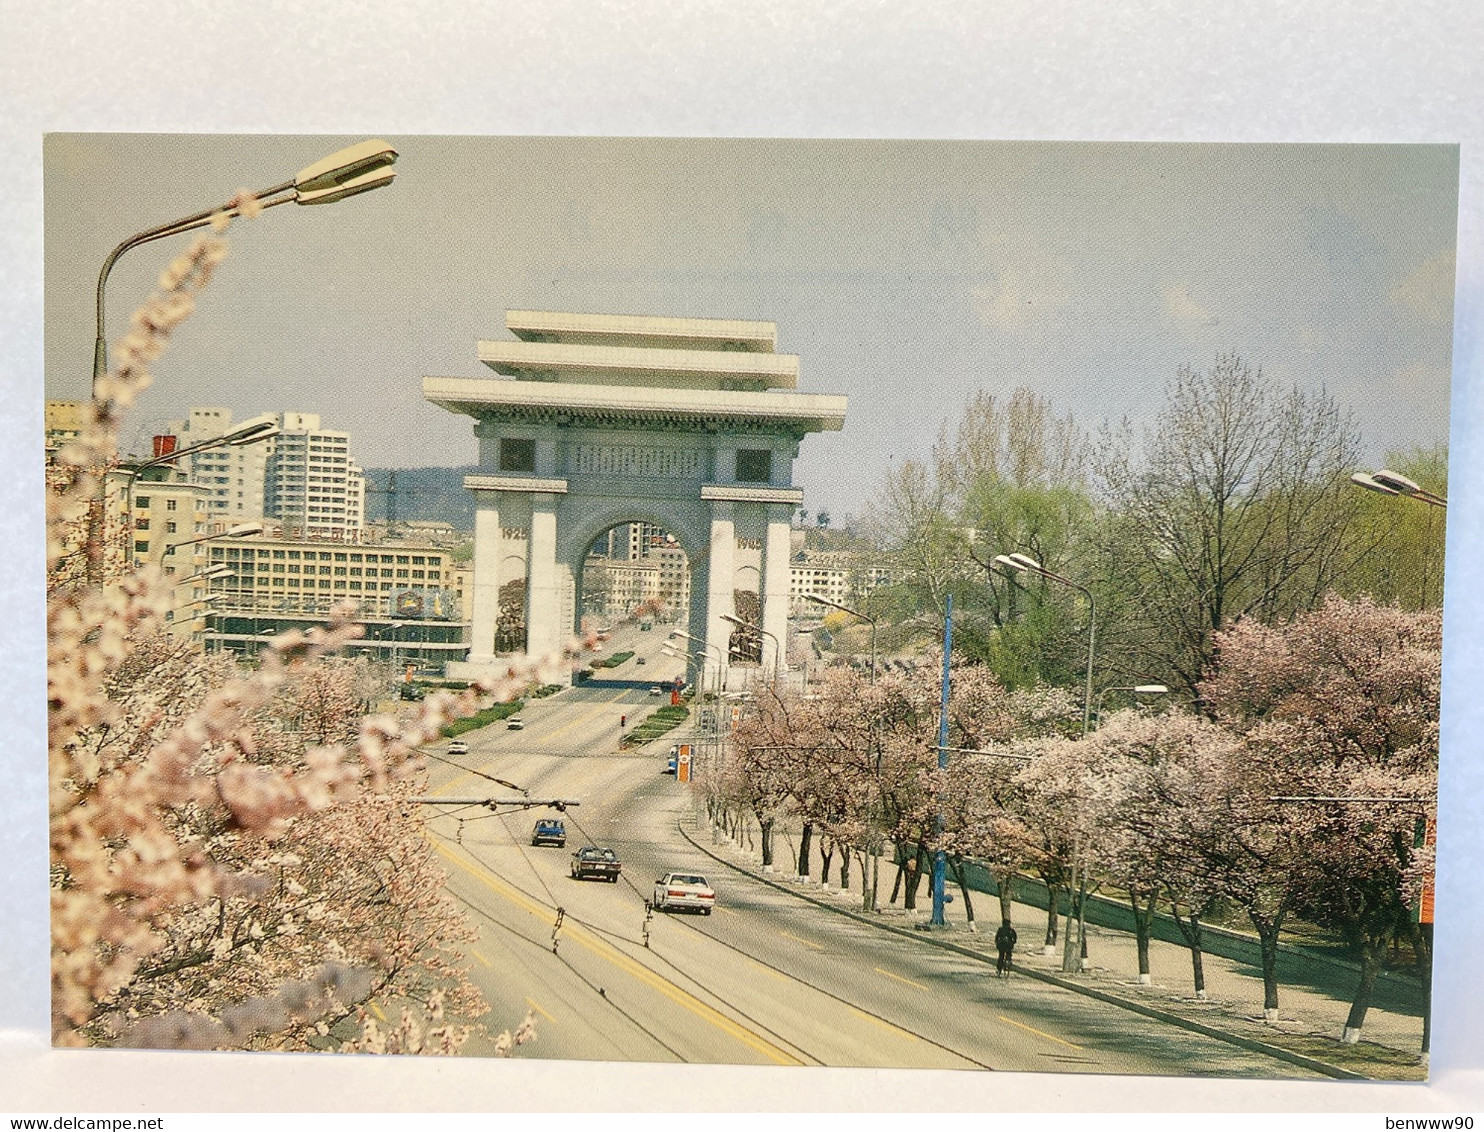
x,y
356,169
1397,482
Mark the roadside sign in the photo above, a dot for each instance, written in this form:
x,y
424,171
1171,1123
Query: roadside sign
x,y
682,764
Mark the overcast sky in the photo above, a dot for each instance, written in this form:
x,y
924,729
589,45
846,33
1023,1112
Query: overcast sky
x,y
904,274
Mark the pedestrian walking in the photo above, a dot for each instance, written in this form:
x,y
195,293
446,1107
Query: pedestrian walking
x,y
1004,942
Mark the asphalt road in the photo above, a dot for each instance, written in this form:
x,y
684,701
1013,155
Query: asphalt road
x,y
767,979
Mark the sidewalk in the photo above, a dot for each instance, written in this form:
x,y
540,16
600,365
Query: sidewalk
x,y
1311,1013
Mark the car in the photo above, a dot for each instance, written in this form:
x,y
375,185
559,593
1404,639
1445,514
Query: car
x,y
594,861
672,762
458,747
641,660
414,692
656,690
684,890
515,723
549,831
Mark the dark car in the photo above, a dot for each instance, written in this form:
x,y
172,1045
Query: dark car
x,y
549,831
596,862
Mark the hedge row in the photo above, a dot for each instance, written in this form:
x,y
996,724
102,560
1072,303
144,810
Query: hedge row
x,y
482,718
663,720
613,661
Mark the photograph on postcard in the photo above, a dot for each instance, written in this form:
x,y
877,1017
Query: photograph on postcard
x,y
913,604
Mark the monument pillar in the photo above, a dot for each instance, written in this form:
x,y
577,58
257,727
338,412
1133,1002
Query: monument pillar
x,y
485,602
775,576
543,600
720,584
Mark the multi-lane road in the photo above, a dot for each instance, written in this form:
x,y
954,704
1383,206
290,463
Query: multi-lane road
x,y
769,978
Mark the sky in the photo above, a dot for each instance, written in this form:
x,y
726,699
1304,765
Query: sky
x,y
905,274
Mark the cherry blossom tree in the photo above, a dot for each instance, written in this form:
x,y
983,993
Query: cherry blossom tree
x,y
224,874
1343,703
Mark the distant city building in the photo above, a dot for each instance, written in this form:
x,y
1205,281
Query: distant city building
x,y
304,477
408,594
843,577
233,475
634,564
312,485
64,420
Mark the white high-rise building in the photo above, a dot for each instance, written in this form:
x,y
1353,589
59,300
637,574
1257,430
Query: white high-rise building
x,y
312,485
233,476
304,477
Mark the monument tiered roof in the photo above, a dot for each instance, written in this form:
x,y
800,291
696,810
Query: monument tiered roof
x,y
643,331
637,406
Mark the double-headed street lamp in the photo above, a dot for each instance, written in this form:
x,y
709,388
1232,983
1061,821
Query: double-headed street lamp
x,y
817,600
1023,563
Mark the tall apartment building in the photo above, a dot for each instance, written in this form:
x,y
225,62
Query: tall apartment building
x,y
304,477
313,486
233,477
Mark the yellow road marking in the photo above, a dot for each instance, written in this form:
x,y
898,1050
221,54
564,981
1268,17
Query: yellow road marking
x,y
770,971
1039,1033
724,911
637,970
883,1024
805,942
377,1011
481,958
899,979
536,1006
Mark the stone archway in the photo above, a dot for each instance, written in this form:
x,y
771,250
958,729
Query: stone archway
x,y
691,424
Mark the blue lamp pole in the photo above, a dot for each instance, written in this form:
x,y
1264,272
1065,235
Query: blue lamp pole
x,y
940,858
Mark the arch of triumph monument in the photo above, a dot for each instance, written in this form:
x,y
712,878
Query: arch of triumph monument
x,y
599,420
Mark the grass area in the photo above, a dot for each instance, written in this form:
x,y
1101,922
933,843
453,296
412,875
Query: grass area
x,y
665,719
484,718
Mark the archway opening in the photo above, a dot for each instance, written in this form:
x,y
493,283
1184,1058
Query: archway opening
x,y
635,591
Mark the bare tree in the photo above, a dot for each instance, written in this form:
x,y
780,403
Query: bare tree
x,y
1237,503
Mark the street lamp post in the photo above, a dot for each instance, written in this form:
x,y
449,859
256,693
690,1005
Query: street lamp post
x,y
1387,482
721,662
1023,563
817,600
355,169
758,630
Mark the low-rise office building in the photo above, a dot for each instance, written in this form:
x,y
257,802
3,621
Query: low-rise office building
x,y
406,594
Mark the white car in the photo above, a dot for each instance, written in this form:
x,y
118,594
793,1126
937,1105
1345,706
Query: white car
x,y
515,723
458,747
684,890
